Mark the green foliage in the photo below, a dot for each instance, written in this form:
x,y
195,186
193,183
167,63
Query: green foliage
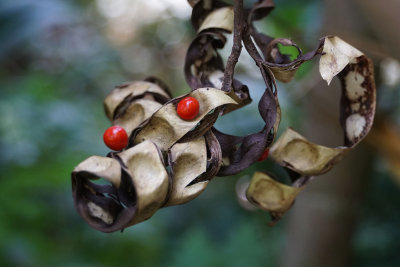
x,y
255,245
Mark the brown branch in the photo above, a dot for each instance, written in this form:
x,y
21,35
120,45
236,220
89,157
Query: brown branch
x,y
236,47
253,52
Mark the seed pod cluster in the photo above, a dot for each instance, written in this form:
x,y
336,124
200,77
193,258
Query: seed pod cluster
x,y
170,159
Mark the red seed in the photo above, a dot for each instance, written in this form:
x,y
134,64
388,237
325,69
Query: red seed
x,y
115,138
188,108
264,155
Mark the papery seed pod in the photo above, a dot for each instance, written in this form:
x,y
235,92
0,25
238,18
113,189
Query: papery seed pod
x,y
171,159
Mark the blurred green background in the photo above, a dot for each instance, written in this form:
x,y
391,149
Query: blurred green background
x,y
58,59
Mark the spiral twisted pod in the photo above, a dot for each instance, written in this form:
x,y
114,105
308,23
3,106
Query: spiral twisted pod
x,y
170,161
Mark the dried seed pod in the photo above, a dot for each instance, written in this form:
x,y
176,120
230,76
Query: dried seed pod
x,y
98,204
165,127
188,161
306,159
266,193
141,178
121,96
140,182
149,177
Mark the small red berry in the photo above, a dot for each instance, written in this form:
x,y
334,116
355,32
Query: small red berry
x,y
188,108
264,155
115,137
